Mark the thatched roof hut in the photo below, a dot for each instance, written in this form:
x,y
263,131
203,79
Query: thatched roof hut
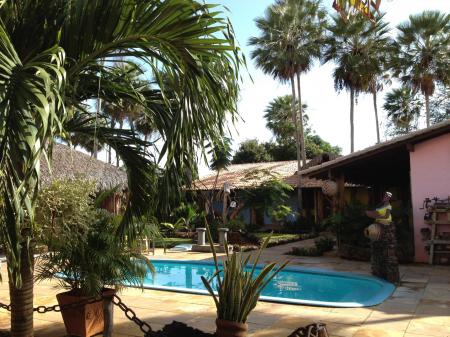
x,y
70,163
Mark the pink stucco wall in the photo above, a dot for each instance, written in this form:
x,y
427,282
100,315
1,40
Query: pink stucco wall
x,y
430,177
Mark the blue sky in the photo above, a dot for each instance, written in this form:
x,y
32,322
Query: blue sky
x,y
328,111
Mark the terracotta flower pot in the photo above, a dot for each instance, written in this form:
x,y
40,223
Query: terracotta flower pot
x,y
230,329
85,320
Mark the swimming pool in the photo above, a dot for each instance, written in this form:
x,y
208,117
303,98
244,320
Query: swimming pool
x,y
293,285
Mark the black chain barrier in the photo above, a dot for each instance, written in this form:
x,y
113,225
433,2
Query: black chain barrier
x,y
131,315
116,300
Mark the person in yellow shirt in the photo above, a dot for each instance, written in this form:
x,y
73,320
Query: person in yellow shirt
x,y
384,258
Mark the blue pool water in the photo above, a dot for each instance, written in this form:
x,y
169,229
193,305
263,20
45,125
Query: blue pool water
x,y
292,285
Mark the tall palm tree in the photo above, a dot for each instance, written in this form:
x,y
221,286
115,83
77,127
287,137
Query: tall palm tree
x,y
290,41
376,64
403,108
421,53
349,46
375,85
50,68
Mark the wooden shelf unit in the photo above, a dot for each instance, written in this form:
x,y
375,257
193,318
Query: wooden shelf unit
x,y
435,222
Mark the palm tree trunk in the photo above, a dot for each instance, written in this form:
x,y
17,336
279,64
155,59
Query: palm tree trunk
x,y
427,109
298,143
352,128
375,108
109,146
302,133
117,155
22,298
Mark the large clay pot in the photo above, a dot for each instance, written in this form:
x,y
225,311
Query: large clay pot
x,y
86,320
230,329
374,232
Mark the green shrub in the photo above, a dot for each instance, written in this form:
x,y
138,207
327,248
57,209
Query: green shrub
x,y
237,224
324,244
275,239
302,251
321,245
66,206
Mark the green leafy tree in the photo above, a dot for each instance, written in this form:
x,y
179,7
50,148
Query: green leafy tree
x,y
315,145
56,57
266,192
403,110
251,151
421,55
349,45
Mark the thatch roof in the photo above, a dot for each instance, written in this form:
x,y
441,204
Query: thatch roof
x,y
70,163
238,176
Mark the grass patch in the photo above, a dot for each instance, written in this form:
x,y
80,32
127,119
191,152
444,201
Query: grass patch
x,y
171,242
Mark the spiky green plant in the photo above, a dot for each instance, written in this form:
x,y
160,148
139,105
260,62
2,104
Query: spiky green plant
x,y
238,284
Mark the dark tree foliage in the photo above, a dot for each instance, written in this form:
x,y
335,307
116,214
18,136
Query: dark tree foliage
x,y
251,151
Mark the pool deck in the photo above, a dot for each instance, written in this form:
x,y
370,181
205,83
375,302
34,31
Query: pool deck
x,y
419,307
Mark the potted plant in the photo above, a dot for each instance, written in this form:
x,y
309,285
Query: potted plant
x,y
85,257
238,288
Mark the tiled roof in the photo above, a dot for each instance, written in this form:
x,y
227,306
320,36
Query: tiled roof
x,y
237,176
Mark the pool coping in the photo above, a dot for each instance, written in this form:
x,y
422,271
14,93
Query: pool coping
x,y
385,292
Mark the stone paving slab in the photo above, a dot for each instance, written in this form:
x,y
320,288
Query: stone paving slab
x,y
419,307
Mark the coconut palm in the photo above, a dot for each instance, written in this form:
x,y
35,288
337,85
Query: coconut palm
x,y
422,55
403,108
50,69
290,41
349,46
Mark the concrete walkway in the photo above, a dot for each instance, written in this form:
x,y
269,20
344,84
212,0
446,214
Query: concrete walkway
x,y
420,306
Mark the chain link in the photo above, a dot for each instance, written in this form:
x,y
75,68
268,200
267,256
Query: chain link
x,y
116,300
42,309
131,315
5,306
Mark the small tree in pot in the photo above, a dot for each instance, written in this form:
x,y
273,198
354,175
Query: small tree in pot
x,y
86,265
84,255
239,286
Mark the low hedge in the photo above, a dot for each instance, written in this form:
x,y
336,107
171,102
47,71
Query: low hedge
x,y
279,239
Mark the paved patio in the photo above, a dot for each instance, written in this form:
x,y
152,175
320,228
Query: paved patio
x,y
420,306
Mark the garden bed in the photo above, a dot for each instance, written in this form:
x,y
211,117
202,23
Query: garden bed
x,y
171,242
